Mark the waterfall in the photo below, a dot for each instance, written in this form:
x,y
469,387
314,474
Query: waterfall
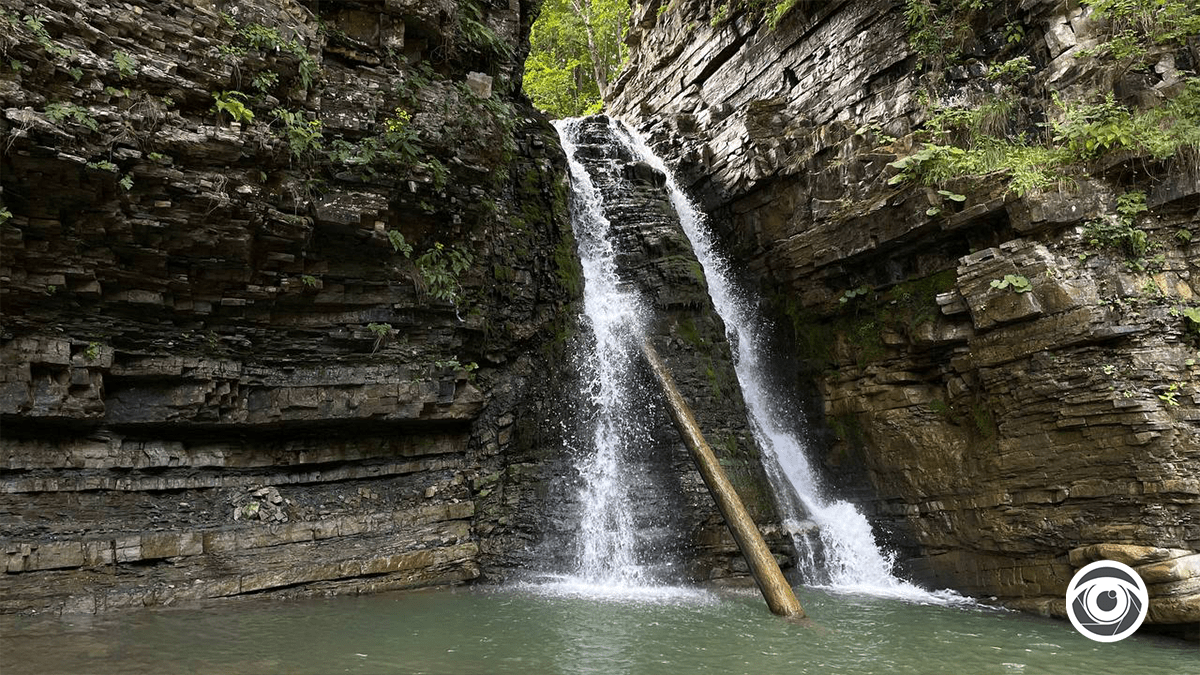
x,y
615,317
852,559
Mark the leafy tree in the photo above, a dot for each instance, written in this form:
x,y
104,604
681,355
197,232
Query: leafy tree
x,y
577,49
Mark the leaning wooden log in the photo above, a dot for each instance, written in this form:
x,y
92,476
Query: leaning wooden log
x,y
763,567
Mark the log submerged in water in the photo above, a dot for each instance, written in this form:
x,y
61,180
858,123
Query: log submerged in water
x,y
763,567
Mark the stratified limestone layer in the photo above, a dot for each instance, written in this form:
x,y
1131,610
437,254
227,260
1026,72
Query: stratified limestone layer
x,y
990,428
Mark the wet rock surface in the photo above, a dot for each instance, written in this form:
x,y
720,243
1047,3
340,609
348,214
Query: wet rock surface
x,y
992,429
221,374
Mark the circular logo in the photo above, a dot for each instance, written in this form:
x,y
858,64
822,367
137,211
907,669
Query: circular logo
x,y
1107,601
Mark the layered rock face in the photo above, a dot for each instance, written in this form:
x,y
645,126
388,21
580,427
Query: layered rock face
x,y
1008,395
224,372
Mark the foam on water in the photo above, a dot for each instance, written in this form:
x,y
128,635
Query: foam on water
x,y
562,586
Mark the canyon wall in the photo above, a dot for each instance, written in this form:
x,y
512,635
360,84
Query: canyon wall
x,y
223,371
1008,396
289,296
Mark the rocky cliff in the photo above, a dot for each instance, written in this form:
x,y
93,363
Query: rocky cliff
x,y
284,290
1007,374
288,309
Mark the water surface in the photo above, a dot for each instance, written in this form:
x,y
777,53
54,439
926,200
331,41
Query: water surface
x,y
554,630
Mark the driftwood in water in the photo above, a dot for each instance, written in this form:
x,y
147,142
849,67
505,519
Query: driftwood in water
x,y
767,574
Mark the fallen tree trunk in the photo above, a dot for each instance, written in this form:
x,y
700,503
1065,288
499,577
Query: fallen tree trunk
x,y
763,567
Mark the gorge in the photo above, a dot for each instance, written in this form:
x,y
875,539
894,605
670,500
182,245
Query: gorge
x,y
292,303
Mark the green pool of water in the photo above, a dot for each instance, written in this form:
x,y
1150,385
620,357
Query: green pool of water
x,y
535,630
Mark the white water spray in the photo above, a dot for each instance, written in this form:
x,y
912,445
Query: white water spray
x,y
615,316
853,561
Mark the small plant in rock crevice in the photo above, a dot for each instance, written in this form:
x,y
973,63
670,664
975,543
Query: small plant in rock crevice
x,y
945,194
126,65
233,103
854,293
61,112
1118,231
440,268
304,137
37,26
1018,283
383,334
399,244
1169,396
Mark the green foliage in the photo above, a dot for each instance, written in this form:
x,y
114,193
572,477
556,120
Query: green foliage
x,y
439,172
1135,27
1169,395
265,81
564,76
61,112
938,30
477,33
103,165
1119,231
1011,70
1093,129
383,334
399,143
721,14
779,11
267,39
5,215
945,194
454,364
971,141
1014,33
92,352
985,424
1029,166
233,104
440,268
308,280
126,181
37,26
415,79
1018,283
854,293
304,137
126,64
399,245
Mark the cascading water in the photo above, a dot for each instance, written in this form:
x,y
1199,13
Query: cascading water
x,y
852,560
614,313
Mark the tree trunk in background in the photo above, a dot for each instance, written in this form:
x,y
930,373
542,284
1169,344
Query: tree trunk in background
x,y
583,8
